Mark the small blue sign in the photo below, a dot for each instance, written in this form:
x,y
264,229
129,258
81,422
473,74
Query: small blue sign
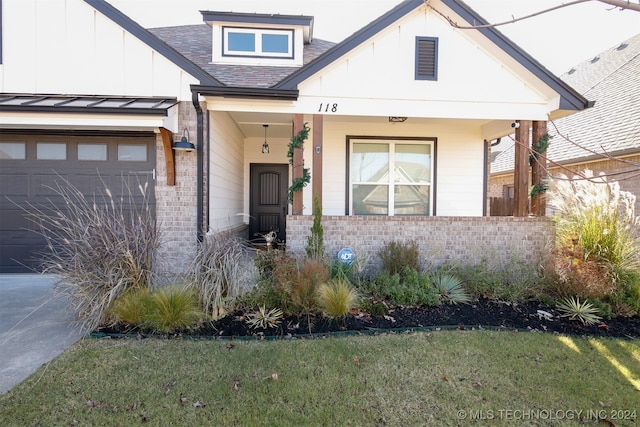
x,y
346,255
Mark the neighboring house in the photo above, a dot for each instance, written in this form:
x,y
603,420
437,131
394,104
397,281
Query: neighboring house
x,y
400,115
603,139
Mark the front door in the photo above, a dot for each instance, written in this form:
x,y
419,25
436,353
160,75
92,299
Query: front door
x,y
268,204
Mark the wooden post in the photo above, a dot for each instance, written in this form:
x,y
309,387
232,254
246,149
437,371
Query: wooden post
x,y
538,170
521,170
169,155
317,160
298,164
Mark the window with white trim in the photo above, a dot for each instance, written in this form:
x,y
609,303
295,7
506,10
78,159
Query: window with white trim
x,y
391,177
259,42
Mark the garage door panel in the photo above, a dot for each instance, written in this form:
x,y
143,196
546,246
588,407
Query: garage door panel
x,y
33,182
14,184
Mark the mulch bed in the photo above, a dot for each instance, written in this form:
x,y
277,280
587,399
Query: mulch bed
x,y
481,314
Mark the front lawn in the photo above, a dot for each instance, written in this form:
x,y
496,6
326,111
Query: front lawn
x,y
438,378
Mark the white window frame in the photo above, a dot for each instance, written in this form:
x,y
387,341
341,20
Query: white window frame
x,y
258,33
391,184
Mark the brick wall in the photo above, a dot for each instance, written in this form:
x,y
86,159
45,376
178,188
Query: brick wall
x,y
461,240
176,206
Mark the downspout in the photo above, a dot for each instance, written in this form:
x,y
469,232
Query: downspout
x,y
200,165
486,171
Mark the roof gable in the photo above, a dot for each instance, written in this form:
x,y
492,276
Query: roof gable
x,y
570,99
152,41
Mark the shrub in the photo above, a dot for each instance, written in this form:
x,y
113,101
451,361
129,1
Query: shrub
x,y
315,241
100,248
337,297
398,257
303,290
414,289
221,271
172,309
515,280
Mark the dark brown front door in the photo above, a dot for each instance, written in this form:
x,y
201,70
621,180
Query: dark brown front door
x,y
268,203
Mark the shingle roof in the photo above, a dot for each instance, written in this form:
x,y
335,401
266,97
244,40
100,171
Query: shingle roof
x,y
195,43
613,82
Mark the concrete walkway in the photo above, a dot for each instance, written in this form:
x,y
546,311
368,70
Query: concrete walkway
x,y
34,326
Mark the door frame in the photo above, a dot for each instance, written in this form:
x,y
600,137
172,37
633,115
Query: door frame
x,y
283,207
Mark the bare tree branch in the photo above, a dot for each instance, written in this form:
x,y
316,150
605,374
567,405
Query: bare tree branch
x,y
622,4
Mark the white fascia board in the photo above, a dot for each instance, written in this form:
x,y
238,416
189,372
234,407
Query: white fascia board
x,y
336,106
83,121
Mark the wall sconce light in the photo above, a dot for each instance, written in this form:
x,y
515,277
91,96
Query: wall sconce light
x,y
318,149
184,144
265,146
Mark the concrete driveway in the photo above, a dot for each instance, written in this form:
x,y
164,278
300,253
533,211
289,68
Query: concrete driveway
x,y
34,326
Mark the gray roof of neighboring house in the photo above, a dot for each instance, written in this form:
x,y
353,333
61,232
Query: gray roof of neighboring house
x,y
612,125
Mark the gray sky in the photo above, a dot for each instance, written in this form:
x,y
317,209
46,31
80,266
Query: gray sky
x,y
558,40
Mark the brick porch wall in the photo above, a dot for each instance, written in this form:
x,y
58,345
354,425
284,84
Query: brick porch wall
x,y
460,240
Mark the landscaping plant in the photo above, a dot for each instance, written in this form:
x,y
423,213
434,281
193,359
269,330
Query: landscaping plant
x,y
315,241
398,257
337,297
220,272
263,318
99,247
450,288
575,309
172,309
597,251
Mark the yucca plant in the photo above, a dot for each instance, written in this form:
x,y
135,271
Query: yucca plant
x,y
450,288
575,309
171,309
337,297
264,319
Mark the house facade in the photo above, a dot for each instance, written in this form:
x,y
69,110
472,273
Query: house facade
x,y
604,139
399,115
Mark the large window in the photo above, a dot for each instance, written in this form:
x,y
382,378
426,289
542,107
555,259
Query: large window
x,y
391,177
258,42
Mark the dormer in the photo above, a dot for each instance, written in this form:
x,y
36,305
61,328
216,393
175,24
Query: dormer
x,y
258,39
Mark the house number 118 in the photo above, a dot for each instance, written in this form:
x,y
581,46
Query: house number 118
x,y
328,107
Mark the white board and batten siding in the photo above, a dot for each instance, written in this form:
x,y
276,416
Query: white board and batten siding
x,y
67,47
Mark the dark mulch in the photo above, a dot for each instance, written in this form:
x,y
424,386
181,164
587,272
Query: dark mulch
x,y
481,314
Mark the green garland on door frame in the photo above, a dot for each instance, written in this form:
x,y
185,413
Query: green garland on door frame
x,y
297,141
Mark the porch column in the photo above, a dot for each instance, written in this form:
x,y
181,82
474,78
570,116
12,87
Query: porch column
x,y
298,164
316,178
521,170
538,170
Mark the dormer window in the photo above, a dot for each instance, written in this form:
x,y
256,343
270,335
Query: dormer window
x,y
258,39
257,42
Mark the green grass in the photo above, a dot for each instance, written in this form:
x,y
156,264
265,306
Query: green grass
x,y
398,379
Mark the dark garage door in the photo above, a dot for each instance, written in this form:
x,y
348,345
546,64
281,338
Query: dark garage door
x,y
32,164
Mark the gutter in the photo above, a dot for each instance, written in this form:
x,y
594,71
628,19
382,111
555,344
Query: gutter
x,y
200,165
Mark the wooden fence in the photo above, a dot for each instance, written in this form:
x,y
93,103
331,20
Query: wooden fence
x,y
501,206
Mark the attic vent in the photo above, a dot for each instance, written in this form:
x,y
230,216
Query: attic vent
x,y
571,71
426,58
622,46
595,59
